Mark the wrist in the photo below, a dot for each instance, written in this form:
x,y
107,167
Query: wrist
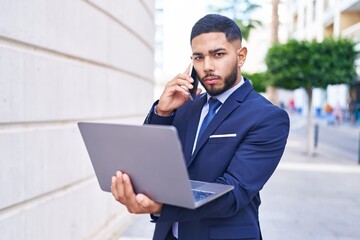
x,y
162,113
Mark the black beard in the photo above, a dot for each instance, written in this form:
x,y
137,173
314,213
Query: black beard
x,y
229,82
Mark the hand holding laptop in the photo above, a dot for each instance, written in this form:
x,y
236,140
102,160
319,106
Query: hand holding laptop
x,y
123,192
111,148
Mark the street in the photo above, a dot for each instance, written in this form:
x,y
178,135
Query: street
x,y
315,197
341,140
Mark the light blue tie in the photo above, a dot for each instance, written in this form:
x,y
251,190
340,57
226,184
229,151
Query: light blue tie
x,y
213,105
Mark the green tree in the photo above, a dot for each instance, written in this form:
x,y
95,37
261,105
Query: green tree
x,y
309,64
240,11
257,80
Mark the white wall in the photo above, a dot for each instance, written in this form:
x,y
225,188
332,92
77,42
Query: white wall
x,y
62,62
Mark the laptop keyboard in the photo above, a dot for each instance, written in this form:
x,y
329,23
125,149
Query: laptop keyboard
x,y
199,195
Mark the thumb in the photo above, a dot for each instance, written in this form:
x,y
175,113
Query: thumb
x,y
143,200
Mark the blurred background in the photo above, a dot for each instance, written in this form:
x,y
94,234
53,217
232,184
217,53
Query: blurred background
x,y
62,62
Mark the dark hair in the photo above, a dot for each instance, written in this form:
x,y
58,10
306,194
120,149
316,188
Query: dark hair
x,y
216,23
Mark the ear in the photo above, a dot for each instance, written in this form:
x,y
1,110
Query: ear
x,y
241,56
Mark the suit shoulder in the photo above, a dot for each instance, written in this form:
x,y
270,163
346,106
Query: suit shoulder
x,y
260,104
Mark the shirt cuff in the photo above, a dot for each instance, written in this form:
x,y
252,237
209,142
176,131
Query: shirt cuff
x,y
158,114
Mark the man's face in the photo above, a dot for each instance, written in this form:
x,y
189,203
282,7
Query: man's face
x,y
217,61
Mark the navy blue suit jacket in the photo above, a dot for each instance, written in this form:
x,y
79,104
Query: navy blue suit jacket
x,y
245,161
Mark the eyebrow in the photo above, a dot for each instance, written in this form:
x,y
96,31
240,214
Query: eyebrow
x,y
216,50
210,51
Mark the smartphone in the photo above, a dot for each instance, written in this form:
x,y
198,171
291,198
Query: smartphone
x,y
194,75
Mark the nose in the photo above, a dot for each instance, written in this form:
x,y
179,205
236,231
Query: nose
x,y
208,65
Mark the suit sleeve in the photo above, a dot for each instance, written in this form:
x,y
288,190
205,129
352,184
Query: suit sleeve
x,y
251,165
153,118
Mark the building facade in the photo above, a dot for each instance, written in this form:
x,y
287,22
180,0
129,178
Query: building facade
x,y
319,19
62,62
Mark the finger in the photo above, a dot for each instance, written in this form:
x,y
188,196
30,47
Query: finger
x,y
119,186
181,77
184,90
180,81
148,204
188,69
129,196
113,187
128,188
183,80
143,200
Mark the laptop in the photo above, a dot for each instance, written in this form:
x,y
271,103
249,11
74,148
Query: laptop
x,y
152,156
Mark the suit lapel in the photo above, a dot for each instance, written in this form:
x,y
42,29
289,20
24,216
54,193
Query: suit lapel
x,y
224,111
232,103
192,126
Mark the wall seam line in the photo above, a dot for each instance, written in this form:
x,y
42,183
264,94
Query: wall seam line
x,y
113,18
21,126
25,45
30,203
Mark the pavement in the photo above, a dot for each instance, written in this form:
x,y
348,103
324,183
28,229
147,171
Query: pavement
x,y
308,197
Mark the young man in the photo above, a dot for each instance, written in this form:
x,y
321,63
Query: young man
x,y
251,137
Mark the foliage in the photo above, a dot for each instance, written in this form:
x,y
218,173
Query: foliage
x,y
311,64
258,80
240,11
246,29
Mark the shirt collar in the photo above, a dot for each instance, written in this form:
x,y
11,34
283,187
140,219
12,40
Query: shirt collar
x,y
223,96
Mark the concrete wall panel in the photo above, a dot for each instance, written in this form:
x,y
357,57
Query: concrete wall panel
x,y
92,35
39,160
57,216
40,87
126,16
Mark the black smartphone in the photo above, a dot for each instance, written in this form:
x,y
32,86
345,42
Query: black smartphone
x,y
194,75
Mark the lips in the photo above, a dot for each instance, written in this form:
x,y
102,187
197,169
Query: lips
x,y
211,80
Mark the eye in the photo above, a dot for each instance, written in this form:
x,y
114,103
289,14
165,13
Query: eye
x,y
219,54
197,58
